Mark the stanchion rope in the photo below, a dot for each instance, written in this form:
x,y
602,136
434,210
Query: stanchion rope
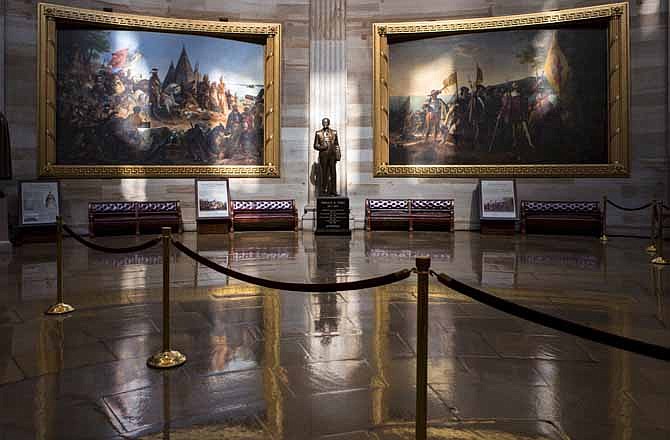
x,y
553,322
623,208
110,250
296,287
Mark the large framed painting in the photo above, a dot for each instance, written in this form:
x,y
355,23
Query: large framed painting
x,y
534,95
124,95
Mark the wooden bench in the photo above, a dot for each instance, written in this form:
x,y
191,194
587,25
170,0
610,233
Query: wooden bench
x,y
409,214
264,215
431,215
553,217
151,216
133,217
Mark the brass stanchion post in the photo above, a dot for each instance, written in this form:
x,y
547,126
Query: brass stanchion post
x,y
603,236
652,233
167,358
659,236
60,307
422,266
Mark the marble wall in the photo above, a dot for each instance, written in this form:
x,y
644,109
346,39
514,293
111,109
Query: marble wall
x,y
332,39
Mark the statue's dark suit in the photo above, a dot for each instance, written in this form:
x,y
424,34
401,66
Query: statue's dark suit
x,y
325,141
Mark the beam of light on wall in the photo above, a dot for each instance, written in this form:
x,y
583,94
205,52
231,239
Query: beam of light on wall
x,y
327,87
650,6
427,77
247,188
134,189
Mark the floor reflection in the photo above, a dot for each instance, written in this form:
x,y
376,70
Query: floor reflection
x,y
335,365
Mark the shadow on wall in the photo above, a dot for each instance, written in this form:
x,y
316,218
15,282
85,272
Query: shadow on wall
x,y
474,208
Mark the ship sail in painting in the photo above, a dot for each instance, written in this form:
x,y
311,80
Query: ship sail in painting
x,y
535,96
147,98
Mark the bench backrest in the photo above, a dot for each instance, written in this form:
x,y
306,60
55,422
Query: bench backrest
x,y
263,205
387,204
559,207
111,208
116,208
417,205
162,207
432,205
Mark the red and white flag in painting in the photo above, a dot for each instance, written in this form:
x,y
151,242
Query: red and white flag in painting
x,y
556,68
119,58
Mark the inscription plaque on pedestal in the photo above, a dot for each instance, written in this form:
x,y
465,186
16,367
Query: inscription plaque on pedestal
x,y
332,216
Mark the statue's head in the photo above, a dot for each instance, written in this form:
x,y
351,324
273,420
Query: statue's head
x,y
325,122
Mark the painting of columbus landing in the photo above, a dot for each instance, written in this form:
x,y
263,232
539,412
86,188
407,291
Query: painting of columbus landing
x,y
149,98
522,96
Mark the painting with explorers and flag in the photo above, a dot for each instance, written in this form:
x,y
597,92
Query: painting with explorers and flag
x,y
129,97
546,99
144,100
515,96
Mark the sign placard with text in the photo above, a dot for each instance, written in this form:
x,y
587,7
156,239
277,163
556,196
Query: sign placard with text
x,y
213,199
39,202
498,199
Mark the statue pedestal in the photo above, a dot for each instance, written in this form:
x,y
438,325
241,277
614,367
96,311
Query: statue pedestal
x,y
332,216
5,245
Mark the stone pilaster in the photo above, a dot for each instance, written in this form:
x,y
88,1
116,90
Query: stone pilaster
x,y
328,76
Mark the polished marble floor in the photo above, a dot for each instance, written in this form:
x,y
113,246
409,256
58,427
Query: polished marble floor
x,y
284,365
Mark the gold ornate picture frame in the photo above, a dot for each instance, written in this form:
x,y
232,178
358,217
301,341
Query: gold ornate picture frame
x,y
258,108
393,114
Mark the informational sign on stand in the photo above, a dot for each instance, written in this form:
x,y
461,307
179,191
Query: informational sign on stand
x,y
212,199
39,202
498,211
498,199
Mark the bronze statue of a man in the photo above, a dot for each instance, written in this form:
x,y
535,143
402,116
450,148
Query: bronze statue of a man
x,y
326,143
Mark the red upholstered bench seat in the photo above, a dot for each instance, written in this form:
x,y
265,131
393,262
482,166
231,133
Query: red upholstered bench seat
x,y
409,214
133,217
264,215
561,217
